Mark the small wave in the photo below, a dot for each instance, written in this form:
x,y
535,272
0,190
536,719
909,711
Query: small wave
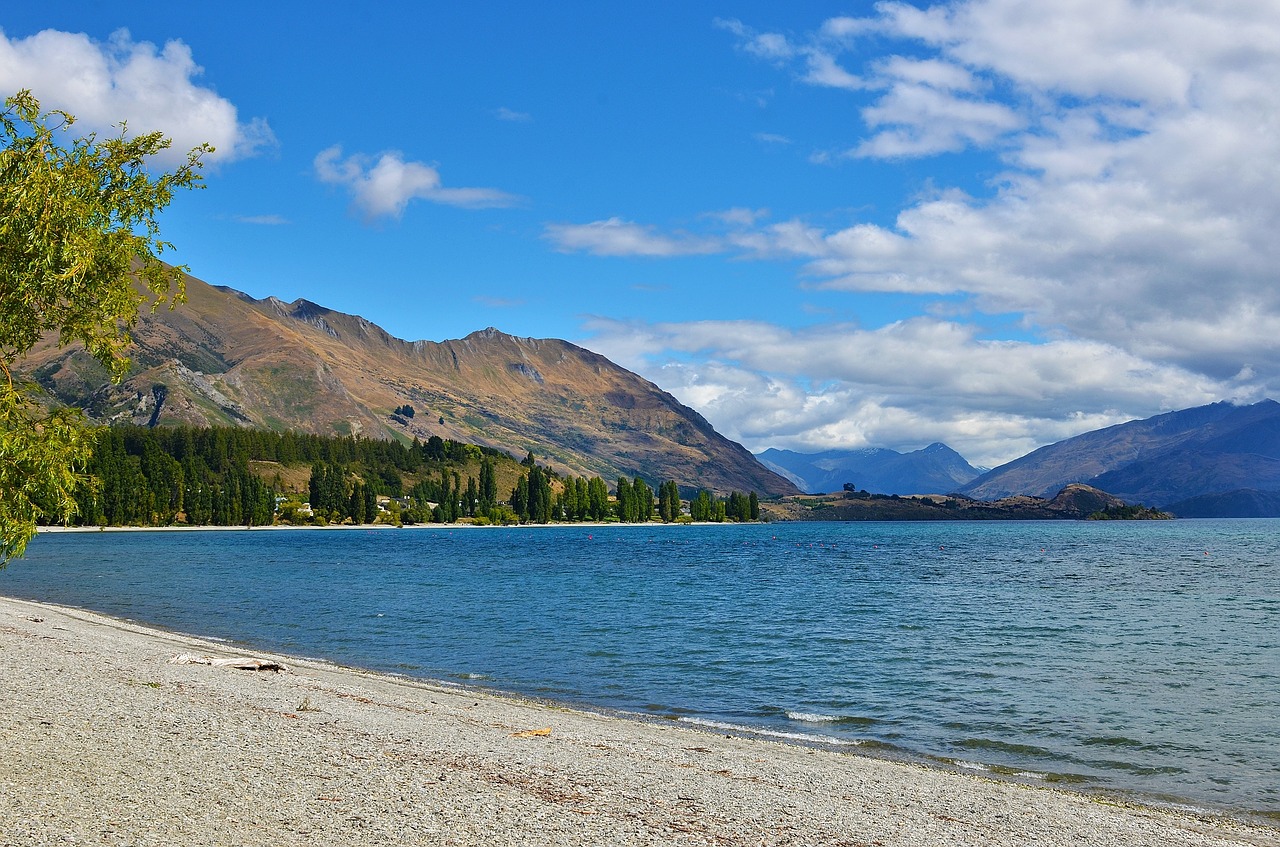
x,y
809,717
817,717
772,733
970,766
1005,771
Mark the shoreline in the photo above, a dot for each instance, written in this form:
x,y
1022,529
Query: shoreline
x,y
103,735
70,530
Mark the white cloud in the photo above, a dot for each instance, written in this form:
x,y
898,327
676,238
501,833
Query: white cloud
x,y
148,87
616,237
924,120
262,220
770,46
383,187
512,116
901,386
1130,232
825,71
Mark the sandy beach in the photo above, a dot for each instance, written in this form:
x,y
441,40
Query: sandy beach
x,y
106,741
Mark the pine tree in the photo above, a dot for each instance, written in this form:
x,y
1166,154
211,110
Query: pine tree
x,y
520,498
472,498
641,501
488,486
623,506
669,501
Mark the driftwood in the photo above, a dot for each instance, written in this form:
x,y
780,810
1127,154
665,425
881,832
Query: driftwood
x,y
532,733
244,663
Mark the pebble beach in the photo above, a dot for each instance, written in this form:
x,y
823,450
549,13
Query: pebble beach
x,y
106,739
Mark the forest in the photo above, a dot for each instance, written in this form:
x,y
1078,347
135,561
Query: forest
x,y
226,476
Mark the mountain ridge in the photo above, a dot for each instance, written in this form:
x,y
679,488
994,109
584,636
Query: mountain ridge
x,y
936,469
1204,451
225,357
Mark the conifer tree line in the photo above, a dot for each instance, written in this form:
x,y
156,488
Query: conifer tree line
x,y
149,477
202,477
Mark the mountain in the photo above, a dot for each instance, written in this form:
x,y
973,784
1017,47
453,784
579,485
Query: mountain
x,y
1244,503
937,469
226,358
1208,450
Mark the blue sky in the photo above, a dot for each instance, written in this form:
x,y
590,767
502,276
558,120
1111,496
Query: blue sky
x,y
990,223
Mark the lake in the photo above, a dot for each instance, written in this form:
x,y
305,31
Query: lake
x,y
1137,657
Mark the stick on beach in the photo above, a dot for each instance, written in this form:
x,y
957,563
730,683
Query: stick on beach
x,y
106,740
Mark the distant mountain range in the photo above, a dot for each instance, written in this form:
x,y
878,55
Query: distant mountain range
x,y
226,358
1220,460
937,469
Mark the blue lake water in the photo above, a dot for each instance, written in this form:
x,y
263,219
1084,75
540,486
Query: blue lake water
x,y
1136,657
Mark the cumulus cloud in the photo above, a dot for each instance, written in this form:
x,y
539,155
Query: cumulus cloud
x,y
382,186
1129,230
150,88
902,386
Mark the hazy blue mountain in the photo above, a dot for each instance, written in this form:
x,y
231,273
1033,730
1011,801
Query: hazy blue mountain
x,y
1245,503
937,469
1159,461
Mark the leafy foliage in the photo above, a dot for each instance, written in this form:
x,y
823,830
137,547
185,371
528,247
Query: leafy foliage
x,y
79,255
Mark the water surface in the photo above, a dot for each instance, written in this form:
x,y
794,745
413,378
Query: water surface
x,y
1138,657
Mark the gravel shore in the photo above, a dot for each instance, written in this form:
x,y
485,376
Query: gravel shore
x,y
105,741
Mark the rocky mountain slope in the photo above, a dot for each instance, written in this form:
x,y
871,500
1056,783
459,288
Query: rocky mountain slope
x,y
226,358
937,469
1206,452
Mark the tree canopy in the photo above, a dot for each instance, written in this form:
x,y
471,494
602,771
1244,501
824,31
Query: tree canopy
x,y
79,256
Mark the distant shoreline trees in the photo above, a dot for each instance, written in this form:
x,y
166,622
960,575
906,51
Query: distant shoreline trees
x,y
226,476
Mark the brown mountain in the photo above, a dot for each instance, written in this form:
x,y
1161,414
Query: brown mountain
x,y
226,358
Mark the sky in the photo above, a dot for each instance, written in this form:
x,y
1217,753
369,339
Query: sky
x,y
989,223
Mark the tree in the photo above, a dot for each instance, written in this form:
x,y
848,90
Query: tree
x,y
641,501
472,498
488,487
79,246
597,498
540,499
702,507
624,500
669,501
